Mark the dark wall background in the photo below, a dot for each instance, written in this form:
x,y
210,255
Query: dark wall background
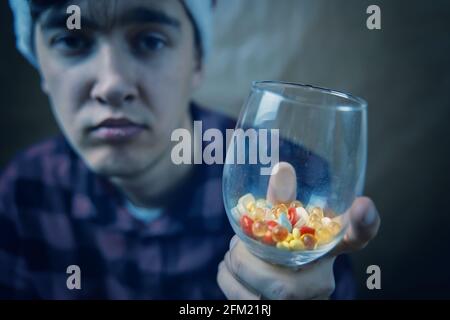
x,y
25,116
403,72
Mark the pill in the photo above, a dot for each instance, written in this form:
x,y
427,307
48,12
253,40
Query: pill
x,y
259,228
283,220
283,245
309,241
246,225
296,233
295,204
279,233
235,213
292,215
296,244
302,217
307,230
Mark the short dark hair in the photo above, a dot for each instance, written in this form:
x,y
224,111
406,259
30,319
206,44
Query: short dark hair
x,y
38,7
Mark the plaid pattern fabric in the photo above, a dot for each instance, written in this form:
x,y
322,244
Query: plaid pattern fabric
x,y
54,213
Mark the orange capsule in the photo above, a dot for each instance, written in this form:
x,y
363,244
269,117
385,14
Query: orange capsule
x,y
268,239
259,228
309,241
279,233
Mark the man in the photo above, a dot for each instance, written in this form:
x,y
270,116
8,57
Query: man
x,y
106,196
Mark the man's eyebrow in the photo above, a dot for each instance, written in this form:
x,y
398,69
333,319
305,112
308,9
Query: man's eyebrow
x,y
145,15
58,19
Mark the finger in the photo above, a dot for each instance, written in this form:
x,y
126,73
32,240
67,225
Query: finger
x,y
232,288
276,282
282,184
364,222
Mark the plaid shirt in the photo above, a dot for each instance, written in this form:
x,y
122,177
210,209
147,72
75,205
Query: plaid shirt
x,y
55,212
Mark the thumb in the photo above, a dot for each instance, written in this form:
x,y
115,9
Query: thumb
x,y
364,225
282,184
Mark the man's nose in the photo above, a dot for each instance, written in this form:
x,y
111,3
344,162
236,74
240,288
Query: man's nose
x,y
115,83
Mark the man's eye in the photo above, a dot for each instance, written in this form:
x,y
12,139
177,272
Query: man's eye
x,y
149,42
71,44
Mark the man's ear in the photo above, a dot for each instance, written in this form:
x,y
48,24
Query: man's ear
x,y
198,75
44,85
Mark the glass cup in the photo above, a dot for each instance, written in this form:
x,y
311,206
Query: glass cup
x,y
294,165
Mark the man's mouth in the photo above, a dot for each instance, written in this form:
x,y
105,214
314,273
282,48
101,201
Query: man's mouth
x,y
116,129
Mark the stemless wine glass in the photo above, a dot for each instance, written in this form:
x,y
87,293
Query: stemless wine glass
x,y
322,135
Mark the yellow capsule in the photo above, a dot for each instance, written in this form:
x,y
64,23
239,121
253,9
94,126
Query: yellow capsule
x,y
283,245
289,237
315,224
280,208
334,227
295,204
250,206
324,236
258,214
269,215
247,201
246,198
296,244
314,217
296,233
318,211
274,211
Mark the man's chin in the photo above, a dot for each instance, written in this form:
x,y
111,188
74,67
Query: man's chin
x,y
125,163
117,167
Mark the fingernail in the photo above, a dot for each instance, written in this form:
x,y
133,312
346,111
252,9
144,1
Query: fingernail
x,y
369,218
233,242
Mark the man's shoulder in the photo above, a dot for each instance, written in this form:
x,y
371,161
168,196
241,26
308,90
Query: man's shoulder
x,y
211,118
47,147
49,159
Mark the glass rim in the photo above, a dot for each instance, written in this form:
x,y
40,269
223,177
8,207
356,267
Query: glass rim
x,y
361,104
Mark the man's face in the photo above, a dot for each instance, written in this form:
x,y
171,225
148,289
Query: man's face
x,y
120,85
